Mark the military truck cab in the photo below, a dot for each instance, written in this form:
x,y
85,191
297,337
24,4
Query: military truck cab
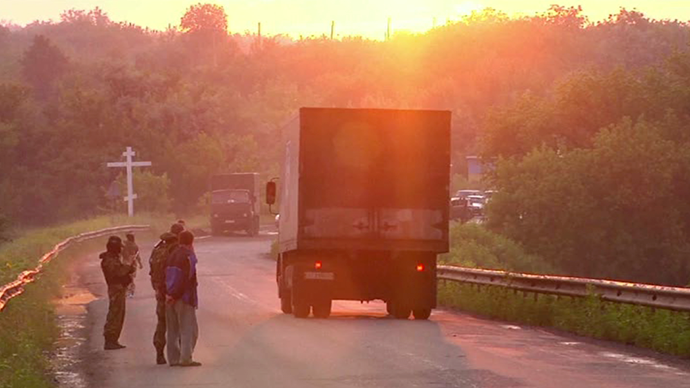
x,y
234,203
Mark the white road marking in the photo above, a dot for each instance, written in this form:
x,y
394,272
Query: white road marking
x,y
641,361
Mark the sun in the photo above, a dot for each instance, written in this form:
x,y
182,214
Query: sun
x,y
466,8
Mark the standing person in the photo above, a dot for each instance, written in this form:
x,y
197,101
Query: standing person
x,y
117,276
157,263
182,301
130,256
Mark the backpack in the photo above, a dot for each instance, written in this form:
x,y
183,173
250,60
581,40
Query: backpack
x,y
158,262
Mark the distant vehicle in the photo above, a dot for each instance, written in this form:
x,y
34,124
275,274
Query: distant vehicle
x,y
489,193
460,209
364,209
476,204
466,193
234,203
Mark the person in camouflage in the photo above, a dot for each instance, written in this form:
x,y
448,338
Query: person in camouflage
x,y
157,263
130,256
117,276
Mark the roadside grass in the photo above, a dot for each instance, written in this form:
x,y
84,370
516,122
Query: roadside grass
x,y
662,330
477,247
28,328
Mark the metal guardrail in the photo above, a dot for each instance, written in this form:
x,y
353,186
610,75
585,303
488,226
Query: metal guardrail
x,y
672,298
16,288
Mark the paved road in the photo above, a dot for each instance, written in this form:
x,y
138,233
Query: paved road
x,y
246,342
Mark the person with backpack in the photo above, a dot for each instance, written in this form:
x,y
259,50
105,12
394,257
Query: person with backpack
x,y
118,276
157,263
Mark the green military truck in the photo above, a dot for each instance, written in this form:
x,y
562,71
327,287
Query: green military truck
x,y
363,209
235,203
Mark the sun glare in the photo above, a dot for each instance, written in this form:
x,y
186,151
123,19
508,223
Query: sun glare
x,y
467,7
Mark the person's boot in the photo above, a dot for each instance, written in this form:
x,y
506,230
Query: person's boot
x,y
113,345
160,359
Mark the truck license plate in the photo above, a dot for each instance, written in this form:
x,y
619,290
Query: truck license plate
x,y
319,275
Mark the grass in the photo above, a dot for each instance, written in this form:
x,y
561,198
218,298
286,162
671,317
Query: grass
x,y
475,246
28,331
27,324
661,330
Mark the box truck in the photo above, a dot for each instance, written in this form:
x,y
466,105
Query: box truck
x,y
364,209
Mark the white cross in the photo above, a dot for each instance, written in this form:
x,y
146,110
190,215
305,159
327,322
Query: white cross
x,y
130,186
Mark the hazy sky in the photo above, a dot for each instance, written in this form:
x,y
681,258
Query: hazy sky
x,y
352,17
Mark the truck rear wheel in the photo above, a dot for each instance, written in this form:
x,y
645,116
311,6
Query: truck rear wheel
x,y
322,309
423,313
300,309
286,303
400,311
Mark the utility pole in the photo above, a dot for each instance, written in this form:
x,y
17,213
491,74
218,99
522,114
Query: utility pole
x,y
388,30
332,28
129,164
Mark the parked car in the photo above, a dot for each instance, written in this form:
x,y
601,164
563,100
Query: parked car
x,y
466,193
476,204
460,209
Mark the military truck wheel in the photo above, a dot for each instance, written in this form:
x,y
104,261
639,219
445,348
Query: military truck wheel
x,y
257,227
423,313
286,303
322,309
300,308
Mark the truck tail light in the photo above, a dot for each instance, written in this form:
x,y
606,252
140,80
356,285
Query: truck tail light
x,y
318,265
420,267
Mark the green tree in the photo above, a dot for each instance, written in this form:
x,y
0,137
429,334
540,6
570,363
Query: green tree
x,y
43,63
205,19
153,191
206,25
613,210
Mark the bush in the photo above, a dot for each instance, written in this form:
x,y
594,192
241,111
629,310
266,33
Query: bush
x,y
473,245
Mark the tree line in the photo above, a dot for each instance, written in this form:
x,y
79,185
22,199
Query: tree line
x,y
549,97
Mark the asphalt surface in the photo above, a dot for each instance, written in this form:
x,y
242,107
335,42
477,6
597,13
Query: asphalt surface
x,y
245,341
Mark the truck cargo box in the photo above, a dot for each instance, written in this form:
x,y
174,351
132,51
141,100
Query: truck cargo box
x,y
366,179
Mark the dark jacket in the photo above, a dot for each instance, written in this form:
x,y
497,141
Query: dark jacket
x,y
159,258
116,274
180,276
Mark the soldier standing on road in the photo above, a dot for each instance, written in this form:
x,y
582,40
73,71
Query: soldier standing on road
x,y
182,301
130,256
117,276
157,263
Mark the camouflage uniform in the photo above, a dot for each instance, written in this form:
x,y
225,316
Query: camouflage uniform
x,y
157,264
130,256
117,276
